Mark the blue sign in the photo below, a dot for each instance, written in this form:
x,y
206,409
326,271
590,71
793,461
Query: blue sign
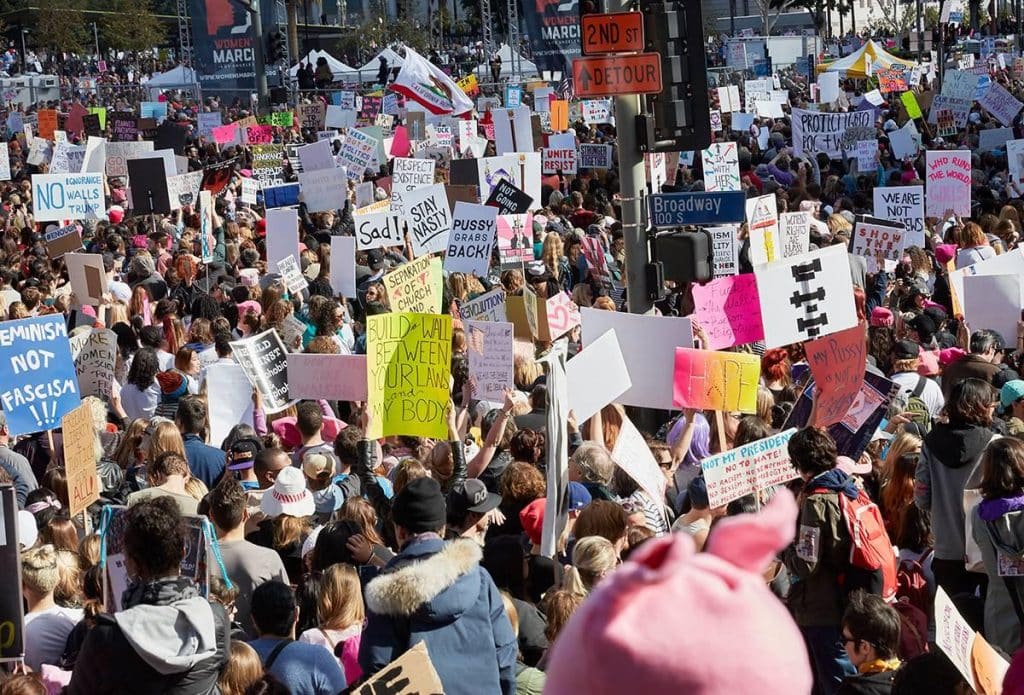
x,y
678,209
154,109
513,96
38,383
281,196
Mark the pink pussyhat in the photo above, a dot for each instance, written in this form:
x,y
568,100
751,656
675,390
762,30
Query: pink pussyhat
x,y
671,620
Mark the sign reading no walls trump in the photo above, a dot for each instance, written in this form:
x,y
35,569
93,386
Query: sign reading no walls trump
x,y
58,197
408,364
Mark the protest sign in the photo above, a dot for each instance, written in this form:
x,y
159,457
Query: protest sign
x,y
992,139
763,223
118,154
815,132
959,84
471,239
587,395
94,353
837,365
67,158
828,87
726,249
408,368
489,344
312,115
378,229
228,134
87,276
948,178
61,240
409,174
903,204
721,167
259,134
428,218
46,123
316,156
38,385
909,101
562,315
282,235
268,164
489,306
992,302
729,98
357,151
595,156
12,607
264,359
410,674
891,81
416,287
39,152
1001,104
5,162
234,398
728,312
958,110
508,199
808,296
558,160
343,266
291,275
650,342
748,469
867,155
183,189
708,380
953,635
331,377
58,197
79,444
794,233
323,190
632,454
874,240
250,187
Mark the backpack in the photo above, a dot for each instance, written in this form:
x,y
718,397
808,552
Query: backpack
x,y
913,630
911,585
916,407
872,559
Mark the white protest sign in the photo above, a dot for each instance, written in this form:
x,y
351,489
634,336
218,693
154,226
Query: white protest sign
x,y
489,306
67,158
954,635
597,111
632,454
1015,160
408,175
250,187
807,297
1001,104
5,162
471,239
282,235
87,277
867,152
877,240
234,399
489,344
725,247
597,376
340,117
378,229
118,154
650,342
323,190
292,275
58,197
555,160
721,167
815,132
95,155
429,219
183,189
748,469
343,265
763,223
948,178
992,302
357,152
729,99
828,87
903,204
316,156
794,233
94,353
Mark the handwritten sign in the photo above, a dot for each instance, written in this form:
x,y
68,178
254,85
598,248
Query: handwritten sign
x,y
874,240
562,315
58,197
815,132
489,306
903,204
409,174
728,311
410,674
80,459
725,248
94,353
471,239
1001,104
794,233
708,380
378,229
721,167
38,384
428,217
490,358
408,366
415,287
747,469
63,240
837,364
948,181
763,222
632,454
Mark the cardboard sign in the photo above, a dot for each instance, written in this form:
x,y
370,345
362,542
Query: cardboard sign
x,y
806,297
904,204
264,359
489,345
707,380
728,311
61,240
12,607
80,459
873,240
410,674
948,179
748,469
330,377
763,223
38,385
47,123
57,197
471,239
95,353
587,394
408,366
429,219
837,364
415,287
489,306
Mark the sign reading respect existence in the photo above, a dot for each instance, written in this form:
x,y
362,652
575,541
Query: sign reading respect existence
x,y
408,363
815,132
58,197
38,384
748,469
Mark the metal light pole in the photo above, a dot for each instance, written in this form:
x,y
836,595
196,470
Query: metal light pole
x,y
258,48
96,38
24,58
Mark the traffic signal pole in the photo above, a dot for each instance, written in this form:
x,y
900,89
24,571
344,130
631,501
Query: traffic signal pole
x,y
259,61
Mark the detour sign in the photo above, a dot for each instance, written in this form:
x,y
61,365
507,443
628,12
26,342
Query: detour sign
x,y
617,74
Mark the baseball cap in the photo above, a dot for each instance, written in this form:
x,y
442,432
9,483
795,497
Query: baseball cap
x,y
471,495
319,463
242,454
906,350
924,326
1011,392
579,496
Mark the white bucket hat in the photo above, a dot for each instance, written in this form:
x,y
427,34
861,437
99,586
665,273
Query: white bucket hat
x,y
288,495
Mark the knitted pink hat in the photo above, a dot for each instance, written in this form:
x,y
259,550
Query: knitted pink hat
x,y
719,628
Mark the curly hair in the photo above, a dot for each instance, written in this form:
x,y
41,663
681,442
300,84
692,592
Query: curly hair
x,y
154,537
528,446
521,484
775,365
812,451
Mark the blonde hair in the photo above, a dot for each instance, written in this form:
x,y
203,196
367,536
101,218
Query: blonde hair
x,y
89,550
510,610
68,592
244,668
592,558
196,488
551,253
165,437
39,573
340,604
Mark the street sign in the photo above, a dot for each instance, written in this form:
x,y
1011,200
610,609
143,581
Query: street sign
x,y
617,32
612,75
678,209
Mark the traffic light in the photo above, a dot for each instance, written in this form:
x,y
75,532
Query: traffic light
x,y
277,51
685,256
679,117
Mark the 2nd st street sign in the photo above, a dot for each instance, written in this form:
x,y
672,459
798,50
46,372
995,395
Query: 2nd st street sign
x,y
616,32
604,76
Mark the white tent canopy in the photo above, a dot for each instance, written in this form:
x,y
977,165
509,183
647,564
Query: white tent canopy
x,y
368,72
526,67
180,76
338,68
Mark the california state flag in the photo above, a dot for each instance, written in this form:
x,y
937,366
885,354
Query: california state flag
x,y
421,81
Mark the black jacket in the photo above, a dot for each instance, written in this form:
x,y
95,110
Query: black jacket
x,y
867,684
109,663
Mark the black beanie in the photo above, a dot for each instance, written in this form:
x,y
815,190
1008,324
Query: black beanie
x,y
419,507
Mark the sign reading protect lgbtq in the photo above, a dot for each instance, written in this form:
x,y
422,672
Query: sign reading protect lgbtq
x,y
604,76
